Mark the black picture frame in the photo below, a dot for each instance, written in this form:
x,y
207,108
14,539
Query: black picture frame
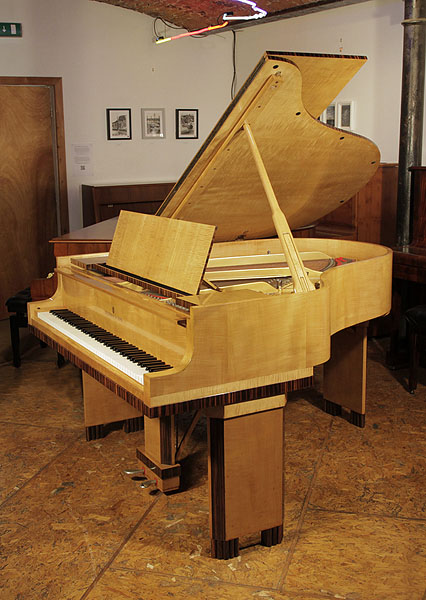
x,y
119,123
186,123
153,123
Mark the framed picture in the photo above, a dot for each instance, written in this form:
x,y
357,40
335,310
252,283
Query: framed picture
x,y
329,116
119,124
186,123
153,123
345,115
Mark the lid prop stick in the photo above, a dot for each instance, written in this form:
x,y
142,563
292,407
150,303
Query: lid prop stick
x,y
301,281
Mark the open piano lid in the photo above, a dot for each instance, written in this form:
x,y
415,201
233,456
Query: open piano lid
x,y
313,167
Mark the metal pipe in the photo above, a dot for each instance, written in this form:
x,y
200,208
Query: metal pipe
x,y
412,102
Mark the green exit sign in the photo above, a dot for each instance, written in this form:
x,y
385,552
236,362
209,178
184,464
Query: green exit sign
x,y
10,30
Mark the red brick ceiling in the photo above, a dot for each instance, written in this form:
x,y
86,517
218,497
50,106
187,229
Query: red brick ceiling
x,y
192,15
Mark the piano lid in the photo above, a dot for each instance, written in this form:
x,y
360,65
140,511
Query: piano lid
x,y
313,167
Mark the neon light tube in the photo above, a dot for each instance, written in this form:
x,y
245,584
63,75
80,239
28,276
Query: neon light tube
x,y
248,18
259,11
188,33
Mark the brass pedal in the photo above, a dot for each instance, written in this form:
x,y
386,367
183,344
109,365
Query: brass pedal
x,y
134,471
148,483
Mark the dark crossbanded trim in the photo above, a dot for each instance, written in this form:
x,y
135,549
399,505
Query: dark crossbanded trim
x,y
166,437
273,536
217,481
299,384
277,54
225,549
163,472
274,389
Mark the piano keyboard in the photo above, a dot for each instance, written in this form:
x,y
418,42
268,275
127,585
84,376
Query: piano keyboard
x,y
125,357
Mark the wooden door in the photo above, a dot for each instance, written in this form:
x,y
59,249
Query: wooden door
x,y
28,207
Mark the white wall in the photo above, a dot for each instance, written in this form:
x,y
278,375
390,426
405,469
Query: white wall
x,y
107,58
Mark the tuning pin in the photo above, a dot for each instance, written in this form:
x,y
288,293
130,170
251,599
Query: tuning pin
x,y
147,483
133,471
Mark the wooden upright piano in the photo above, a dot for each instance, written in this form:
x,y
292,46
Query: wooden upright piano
x,y
213,305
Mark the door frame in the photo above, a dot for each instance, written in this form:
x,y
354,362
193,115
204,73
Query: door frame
x,y
55,84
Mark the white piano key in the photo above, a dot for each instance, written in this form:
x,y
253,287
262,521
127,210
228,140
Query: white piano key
x,y
109,355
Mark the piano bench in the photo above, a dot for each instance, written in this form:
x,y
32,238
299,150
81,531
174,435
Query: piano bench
x,y
416,321
17,304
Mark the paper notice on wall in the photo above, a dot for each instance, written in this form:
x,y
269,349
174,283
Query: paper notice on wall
x,y
83,160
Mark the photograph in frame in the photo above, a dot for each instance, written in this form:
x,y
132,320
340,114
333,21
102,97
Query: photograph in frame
x,y
329,116
345,115
186,123
153,123
119,124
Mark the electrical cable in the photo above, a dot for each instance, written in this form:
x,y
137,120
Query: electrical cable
x,y
234,64
226,17
166,24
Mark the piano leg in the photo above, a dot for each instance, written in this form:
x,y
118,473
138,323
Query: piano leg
x,y
345,374
102,409
158,453
245,475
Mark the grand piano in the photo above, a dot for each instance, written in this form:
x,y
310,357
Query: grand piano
x,y
212,304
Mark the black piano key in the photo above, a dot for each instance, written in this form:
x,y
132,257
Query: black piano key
x,y
155,368
147,359
122,347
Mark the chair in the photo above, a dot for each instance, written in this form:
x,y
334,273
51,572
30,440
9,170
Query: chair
x,y
416,320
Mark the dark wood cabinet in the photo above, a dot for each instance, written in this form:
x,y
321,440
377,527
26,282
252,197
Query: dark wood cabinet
x,y
370,216
409,263
409,270
102,202
419,207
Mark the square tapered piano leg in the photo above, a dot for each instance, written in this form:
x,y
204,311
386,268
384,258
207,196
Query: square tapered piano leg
x,y
345,374
103,410
245,474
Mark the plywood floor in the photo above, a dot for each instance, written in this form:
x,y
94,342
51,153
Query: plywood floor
x,y
74,527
